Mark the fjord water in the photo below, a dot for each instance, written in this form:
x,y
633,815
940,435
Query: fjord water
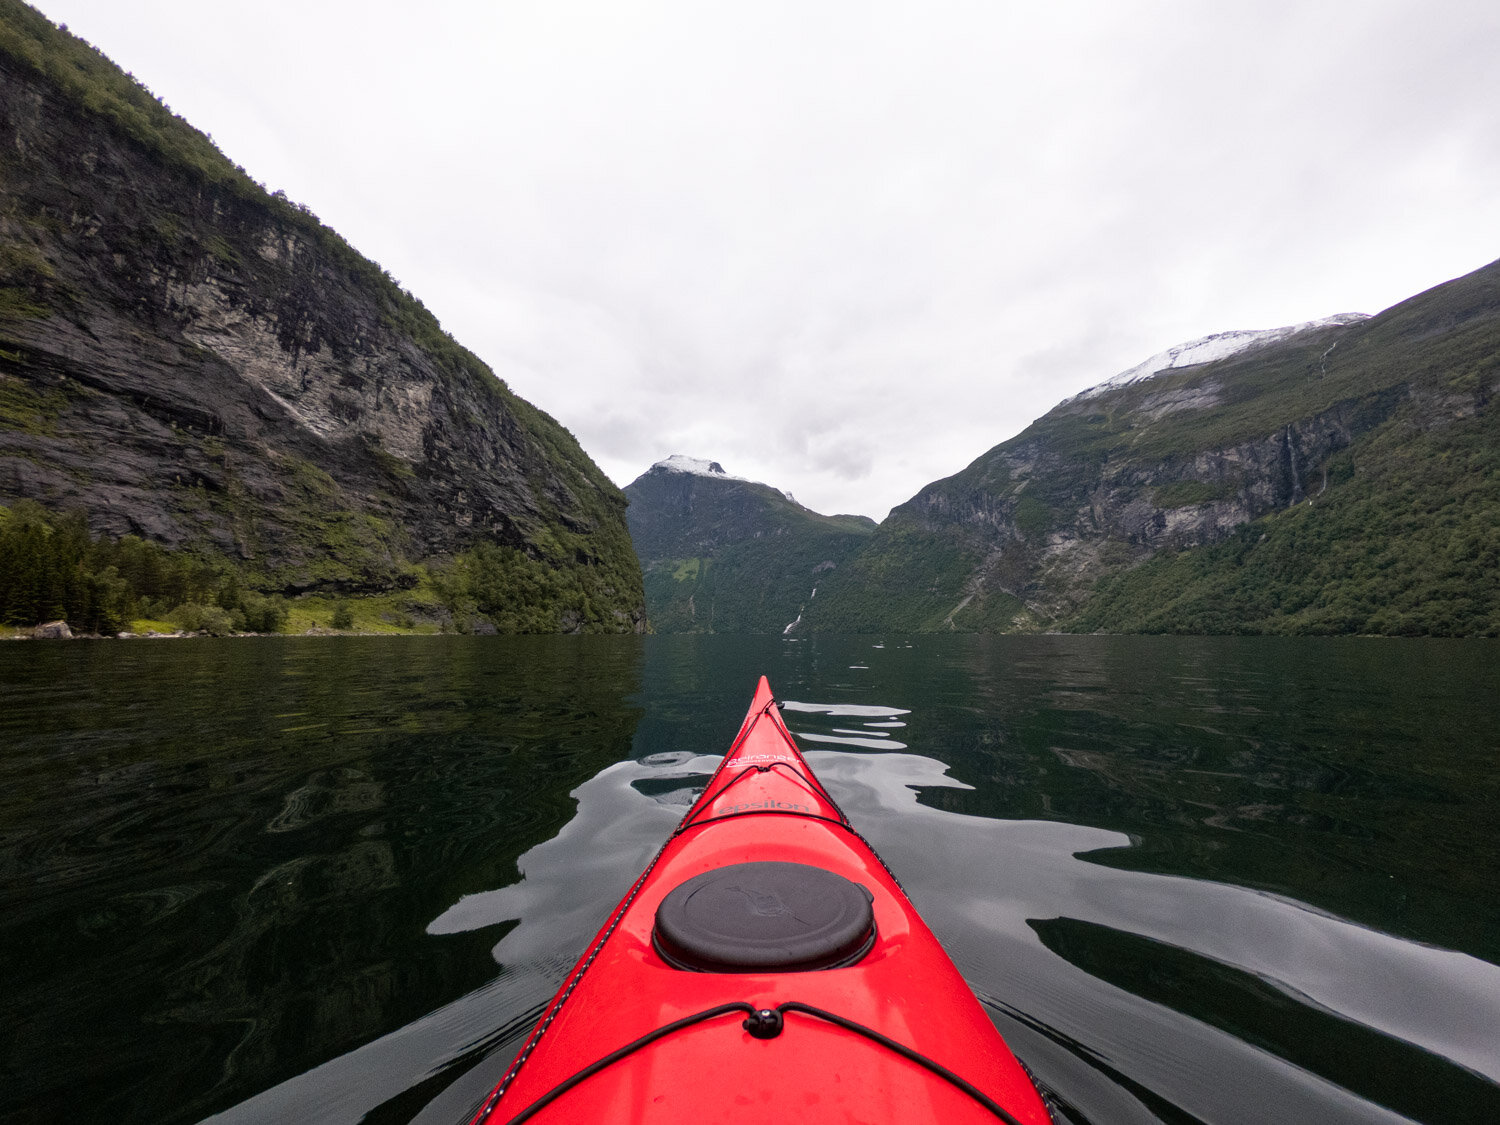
x,y
336,879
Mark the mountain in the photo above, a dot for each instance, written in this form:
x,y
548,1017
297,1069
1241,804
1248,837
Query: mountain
x,y
727,555
1337,477
206,367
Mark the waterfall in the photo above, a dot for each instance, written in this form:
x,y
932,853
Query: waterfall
x,y
797,622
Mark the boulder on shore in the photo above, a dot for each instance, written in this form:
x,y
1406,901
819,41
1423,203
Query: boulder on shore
x,y
53,631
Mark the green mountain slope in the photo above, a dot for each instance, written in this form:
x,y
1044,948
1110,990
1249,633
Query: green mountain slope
x,y
724,555
195,363
1343,479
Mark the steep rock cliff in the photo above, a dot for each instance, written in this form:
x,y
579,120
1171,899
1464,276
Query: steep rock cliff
x,y
190,360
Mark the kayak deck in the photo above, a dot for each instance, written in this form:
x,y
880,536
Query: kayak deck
x,y
891,1033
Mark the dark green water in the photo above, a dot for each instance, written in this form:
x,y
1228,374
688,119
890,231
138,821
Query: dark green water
x,y
335,880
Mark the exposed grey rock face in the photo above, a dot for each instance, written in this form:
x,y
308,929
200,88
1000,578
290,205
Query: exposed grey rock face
x,y
1131,507
191,364
1254,477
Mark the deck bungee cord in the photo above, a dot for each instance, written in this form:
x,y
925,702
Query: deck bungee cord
x,y
762,1023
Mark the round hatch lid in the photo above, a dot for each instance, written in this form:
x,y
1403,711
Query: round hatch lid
x,y
765,917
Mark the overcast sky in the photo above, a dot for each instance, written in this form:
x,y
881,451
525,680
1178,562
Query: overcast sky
x,y
846,246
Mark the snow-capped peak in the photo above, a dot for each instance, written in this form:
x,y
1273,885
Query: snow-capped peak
x,y
677,463
1207,349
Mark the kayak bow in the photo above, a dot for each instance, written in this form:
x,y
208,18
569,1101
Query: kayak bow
x,y
766,962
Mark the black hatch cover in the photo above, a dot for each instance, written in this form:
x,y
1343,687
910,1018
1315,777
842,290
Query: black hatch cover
x,y
765,917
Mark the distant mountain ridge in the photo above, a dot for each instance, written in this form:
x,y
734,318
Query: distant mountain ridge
x,y
729,555
1341,476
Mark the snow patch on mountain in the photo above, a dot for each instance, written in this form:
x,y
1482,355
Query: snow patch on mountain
x,y
695,466
1207,349
677,463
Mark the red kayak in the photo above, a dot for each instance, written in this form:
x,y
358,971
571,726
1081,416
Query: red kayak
x,y
766,966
